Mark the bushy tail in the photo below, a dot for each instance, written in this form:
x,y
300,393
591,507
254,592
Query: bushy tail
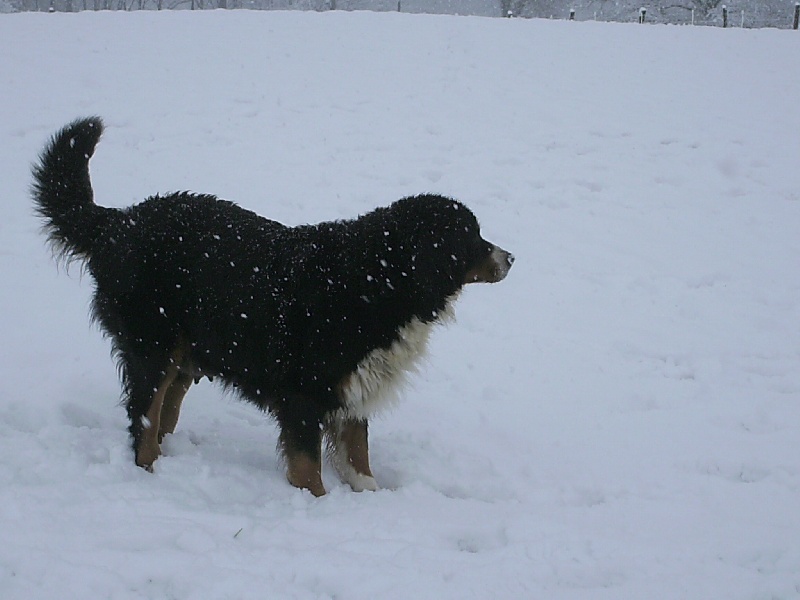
x,y
62,190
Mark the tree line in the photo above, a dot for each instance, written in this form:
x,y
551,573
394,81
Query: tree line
x,y
732,13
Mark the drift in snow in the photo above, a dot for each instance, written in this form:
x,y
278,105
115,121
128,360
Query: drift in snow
x,y
316,324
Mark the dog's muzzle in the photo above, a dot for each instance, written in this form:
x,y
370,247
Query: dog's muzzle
x,y
493,268
502,263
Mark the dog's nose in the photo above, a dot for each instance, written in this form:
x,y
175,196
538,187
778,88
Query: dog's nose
x,y
510,259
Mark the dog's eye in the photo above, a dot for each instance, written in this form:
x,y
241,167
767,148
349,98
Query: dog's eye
x,y
482,247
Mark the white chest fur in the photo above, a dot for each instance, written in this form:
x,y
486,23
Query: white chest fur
x,y
379,377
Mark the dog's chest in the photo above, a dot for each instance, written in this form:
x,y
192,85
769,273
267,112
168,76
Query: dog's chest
x,y
378,378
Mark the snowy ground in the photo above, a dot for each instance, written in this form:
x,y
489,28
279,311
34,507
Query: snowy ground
x,y
619,419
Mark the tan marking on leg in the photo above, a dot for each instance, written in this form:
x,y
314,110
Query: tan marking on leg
x,y
171,409
348,447
304,472
354,438
148,449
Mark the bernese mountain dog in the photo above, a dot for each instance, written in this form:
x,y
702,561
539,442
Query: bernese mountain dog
x,y
315,324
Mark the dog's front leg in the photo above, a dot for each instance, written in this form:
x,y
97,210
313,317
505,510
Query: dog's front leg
x,y
305,472
301,444
348,448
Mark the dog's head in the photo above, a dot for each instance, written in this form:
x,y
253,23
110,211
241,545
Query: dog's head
x,y
451,235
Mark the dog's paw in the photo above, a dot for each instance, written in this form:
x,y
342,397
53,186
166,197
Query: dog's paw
x,y
146,455
359,483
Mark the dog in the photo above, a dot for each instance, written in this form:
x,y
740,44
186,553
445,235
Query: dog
x,y
316,324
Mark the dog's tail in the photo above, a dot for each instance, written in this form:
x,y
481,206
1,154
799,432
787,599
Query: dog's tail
x,y
62,190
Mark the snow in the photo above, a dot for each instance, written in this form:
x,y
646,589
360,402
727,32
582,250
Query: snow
x,y
617,419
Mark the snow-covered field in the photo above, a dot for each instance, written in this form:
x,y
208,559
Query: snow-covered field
x,y
619,419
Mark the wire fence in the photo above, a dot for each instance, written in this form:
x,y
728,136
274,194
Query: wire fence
x,y
724,17
746,14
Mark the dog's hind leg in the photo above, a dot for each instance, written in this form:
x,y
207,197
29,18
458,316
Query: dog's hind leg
x,y
171,408
348,449
146,428
147,381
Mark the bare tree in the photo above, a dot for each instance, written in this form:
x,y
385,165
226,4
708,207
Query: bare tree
x,y
703,8
515,8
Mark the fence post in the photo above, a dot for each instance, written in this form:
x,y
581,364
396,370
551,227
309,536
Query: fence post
x,y
724,16
642,14
571,14
796,15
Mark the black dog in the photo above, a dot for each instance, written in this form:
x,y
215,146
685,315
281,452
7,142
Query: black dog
x,y
316,324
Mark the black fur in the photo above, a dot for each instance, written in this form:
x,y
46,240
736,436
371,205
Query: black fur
x,y
281,314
